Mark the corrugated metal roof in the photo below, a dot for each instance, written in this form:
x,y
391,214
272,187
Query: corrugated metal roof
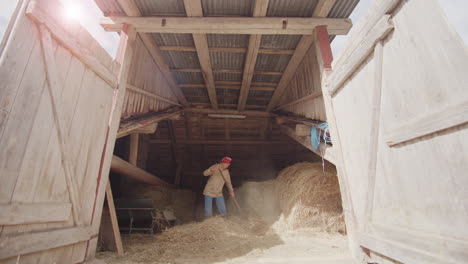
x,y
195,91
266,78
161,7
229,92
167,39
227,60
228,40
343,8
227,7
188,77
256,102
227,76
270,62
279,41
291,8
198,99
109,7
265,94
181,59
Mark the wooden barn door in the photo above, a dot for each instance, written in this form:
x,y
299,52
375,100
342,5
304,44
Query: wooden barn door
x,y
60,100
400,105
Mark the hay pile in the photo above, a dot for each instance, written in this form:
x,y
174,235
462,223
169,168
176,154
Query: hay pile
x,y
309,198
214,239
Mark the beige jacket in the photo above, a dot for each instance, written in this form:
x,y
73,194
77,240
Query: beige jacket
x,y
214,186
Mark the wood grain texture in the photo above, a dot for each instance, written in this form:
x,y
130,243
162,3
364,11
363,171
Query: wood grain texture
x,y
228,25
114,220
121,166
23,244
347,66
17,214
260,10
194,9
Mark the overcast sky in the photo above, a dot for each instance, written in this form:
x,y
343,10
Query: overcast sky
x,y
454,9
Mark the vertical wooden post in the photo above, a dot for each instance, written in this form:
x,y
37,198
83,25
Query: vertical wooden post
x,y
114,221
134,142
127,40
324,60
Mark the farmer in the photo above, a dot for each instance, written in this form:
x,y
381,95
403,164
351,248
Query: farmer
x,y
219,175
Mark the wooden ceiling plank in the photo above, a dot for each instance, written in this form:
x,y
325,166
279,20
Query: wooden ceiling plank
x,y
194,9
131,9
228,25
260,10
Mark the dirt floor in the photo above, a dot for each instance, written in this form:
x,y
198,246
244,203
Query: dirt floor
x,y
296,218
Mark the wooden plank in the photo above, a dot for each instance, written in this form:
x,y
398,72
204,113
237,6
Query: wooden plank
x,y
131,9
439,120
302,47
326,57
194,9
225,111
228,71
17,214
374,131
228,25
121,166
229,50
260,9
55,86
114,220
303,99
39,16
324,151
148,129
11,246
127,126
133,153
146,93
220,142
347,66
127,42
323,7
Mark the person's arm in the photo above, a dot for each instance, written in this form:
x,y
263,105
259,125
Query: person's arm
x,y
210,170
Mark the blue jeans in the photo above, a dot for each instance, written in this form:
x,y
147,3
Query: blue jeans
x,y
219,204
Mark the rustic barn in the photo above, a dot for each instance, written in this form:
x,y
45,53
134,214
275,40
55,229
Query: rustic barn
x,y
96,151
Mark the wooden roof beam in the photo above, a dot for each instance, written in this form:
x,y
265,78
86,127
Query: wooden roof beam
x,y
131,9
321,10
229,50
252,113
129,125
228,25
194,9
228,71
260,10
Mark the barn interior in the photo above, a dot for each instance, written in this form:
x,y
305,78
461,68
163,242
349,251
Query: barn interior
x,y
251,97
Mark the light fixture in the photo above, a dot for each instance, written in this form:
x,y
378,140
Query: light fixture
x,y
227,116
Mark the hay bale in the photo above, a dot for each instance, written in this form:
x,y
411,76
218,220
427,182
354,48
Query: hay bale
x,y
309,198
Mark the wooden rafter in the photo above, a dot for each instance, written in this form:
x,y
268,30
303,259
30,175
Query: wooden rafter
x,y
221,142
322,9
231,105
259,88
227,111
229,50
131,9
231,97
194,9
227,25
260,10
228,71
128,126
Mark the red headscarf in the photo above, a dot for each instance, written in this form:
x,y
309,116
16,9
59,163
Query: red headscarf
x,y
226,160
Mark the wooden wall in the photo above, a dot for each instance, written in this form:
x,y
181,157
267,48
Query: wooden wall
x,y
303,95
400,101
34,192
146,75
